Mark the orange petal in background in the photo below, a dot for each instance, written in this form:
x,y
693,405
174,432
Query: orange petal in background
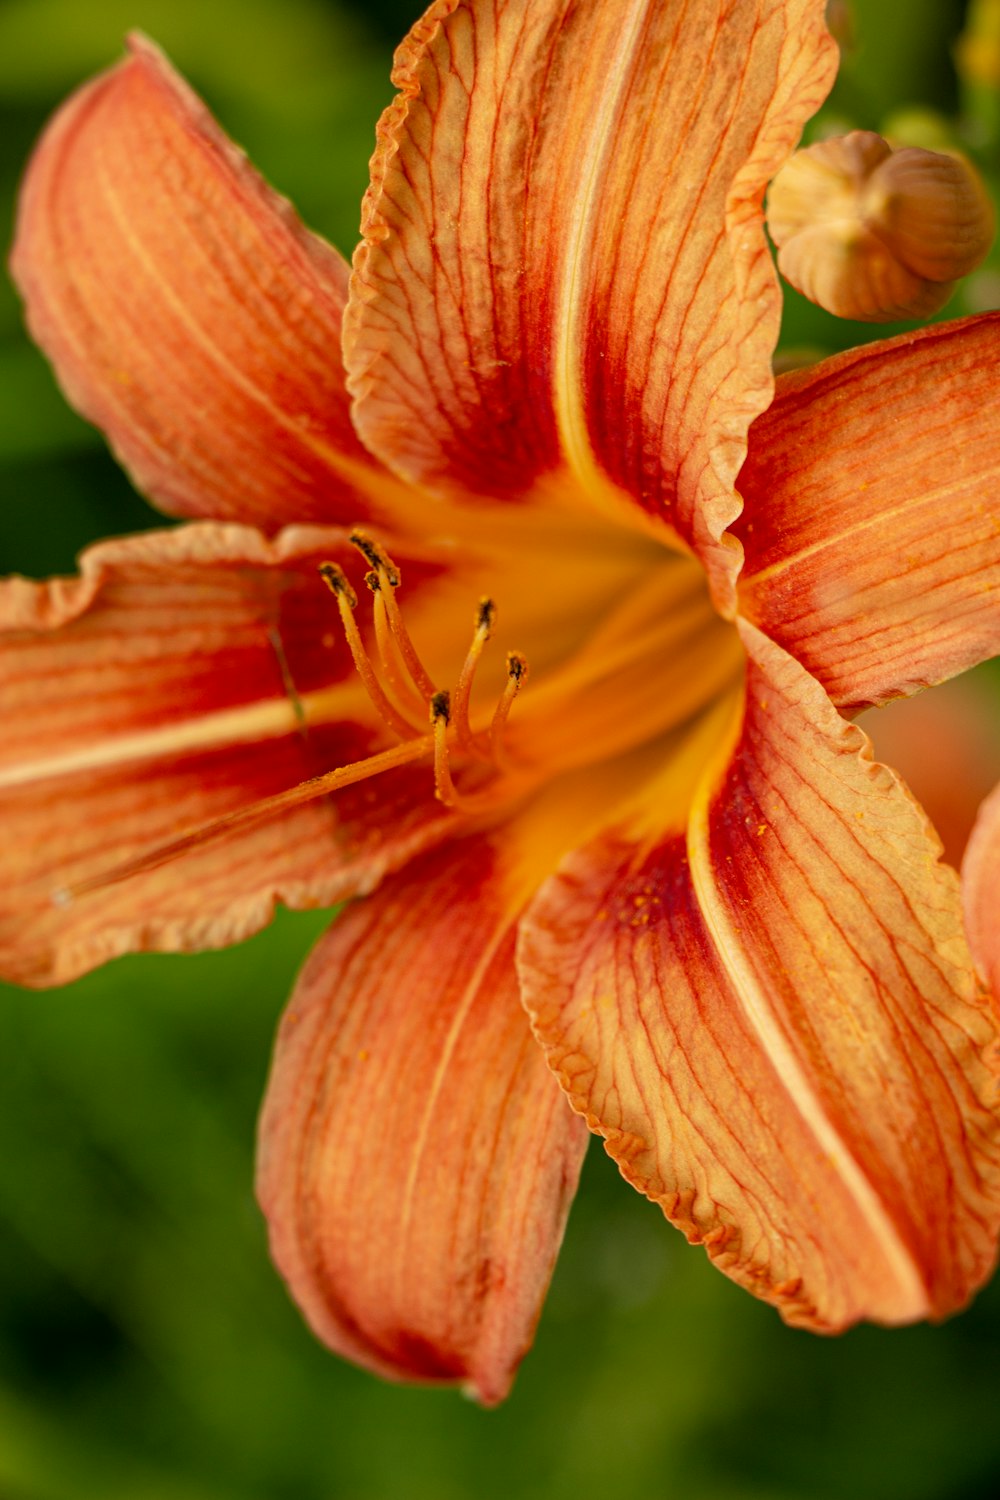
x,y
186,310
775,1023
981,889
945,743
872,519
185,675
417,1159
563,253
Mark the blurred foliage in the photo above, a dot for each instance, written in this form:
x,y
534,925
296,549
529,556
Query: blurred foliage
x,y
147,1349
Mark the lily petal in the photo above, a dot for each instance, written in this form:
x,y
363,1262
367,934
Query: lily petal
x,y
563,262
417,1160
775,1024
186,310
872,519
186,674
981,889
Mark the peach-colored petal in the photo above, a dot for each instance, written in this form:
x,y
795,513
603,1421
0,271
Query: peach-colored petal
x,y
981,890
563,262
186,310
775,1023
872,519
184,675
417,1160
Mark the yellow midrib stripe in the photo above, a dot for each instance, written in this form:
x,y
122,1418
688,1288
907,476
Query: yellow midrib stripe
x,y
568,393
754,1003
270,719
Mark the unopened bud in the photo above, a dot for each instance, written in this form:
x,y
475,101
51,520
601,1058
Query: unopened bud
x,y
875,234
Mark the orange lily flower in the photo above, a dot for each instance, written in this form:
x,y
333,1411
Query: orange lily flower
x,y
651,827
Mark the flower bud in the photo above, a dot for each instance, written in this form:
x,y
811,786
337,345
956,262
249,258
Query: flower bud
x,y
875,234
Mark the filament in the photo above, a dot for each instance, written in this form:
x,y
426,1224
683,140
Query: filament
x,y
399,691
389,574
485,617
487,800
347,600
517,671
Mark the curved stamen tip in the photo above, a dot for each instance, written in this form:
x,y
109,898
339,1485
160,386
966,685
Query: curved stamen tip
x,y
336,581
376,557
441,707
373,581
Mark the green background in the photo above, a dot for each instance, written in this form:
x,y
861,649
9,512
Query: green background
x,y
147,1349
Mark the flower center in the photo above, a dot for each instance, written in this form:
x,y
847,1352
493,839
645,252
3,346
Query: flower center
x,y
627,655
634,673
405,697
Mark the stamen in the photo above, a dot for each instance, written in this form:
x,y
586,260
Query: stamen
x,y
386,569
347,600
444,788
485,617
418,672
517,673
398,689
491,798
376,557
338,583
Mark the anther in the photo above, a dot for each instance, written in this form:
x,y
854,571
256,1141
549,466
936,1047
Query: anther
x,y
441,707
517,673
376,557
337,582
485,617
